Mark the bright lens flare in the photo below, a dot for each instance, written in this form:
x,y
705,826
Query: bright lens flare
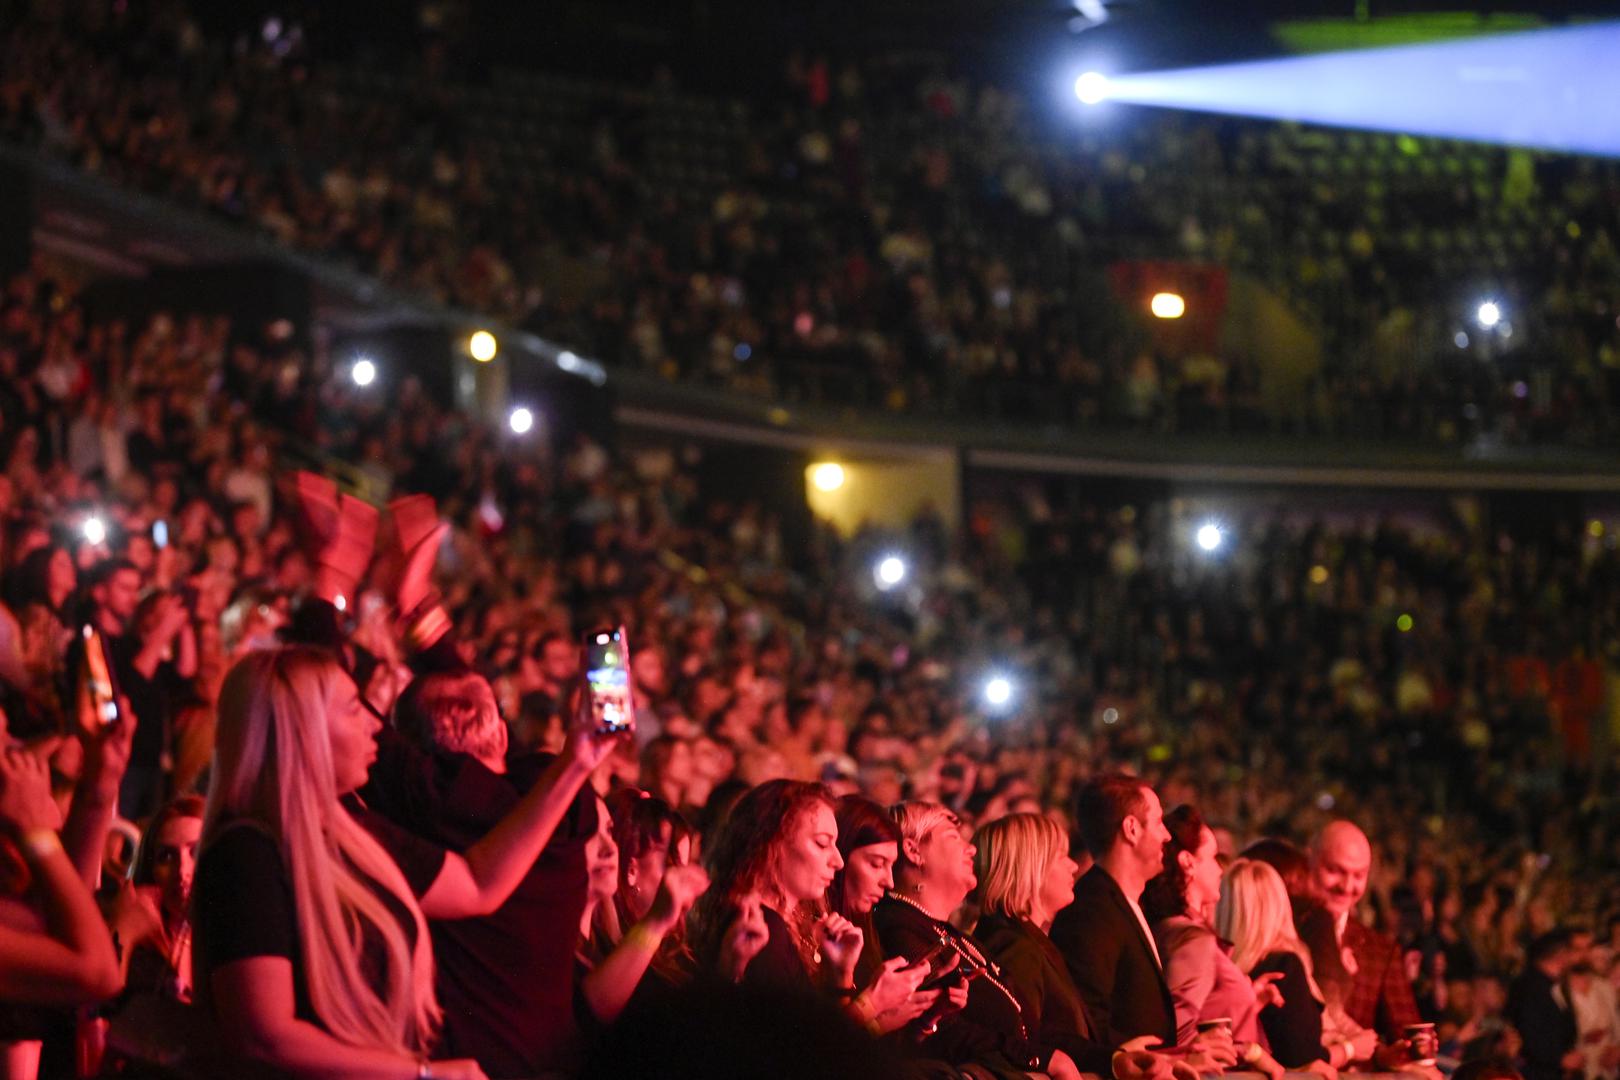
x,y
1168,305
890,572
828,476
521,421
998,691
94,529
364,372
1209,536
1489,314
1091,88
482,346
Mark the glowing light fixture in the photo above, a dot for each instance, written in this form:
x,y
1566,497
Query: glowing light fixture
x,y
482,346
94,529
1489,314
1091,88
891,571
1209,536
998,691
1168,305
827,476
364,372
520,420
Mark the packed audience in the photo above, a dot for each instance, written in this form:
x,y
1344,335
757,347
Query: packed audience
x,y
870,232
1326,803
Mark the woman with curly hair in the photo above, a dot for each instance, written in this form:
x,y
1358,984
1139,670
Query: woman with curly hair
x,y
778,850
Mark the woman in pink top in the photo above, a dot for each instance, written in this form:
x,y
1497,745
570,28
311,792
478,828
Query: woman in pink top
x,y
1204,982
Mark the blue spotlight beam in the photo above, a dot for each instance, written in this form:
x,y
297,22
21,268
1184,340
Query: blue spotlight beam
x,y
1548,89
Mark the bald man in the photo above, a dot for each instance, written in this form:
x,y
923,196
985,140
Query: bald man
x,y
1367,963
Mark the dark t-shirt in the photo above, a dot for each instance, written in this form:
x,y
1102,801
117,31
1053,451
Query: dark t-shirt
x,y
505,981
242,901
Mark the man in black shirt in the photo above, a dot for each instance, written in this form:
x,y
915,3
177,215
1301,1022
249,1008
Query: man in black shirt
x,y
148,675
505,981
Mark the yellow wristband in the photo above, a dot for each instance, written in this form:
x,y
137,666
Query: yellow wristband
x,y
639,935
41,843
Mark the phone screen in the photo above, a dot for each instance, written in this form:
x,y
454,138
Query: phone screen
x,y
98,671
607,675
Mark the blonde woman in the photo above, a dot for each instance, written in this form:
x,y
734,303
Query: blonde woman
x,y
932,878
1025,878
1254,914
311,945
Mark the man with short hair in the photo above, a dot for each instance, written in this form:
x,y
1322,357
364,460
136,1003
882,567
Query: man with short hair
x,y
1103,936
151,671
505,980
1539,1006
1377,994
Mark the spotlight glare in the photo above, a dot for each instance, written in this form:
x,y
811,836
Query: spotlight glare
x,y
1489,314
891,571
482,346
1209,536
521,421
998,691
1168,305
1091,88
364,372
94,529
828,476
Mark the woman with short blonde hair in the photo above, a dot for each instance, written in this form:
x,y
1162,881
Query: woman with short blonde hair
x,y
1016,853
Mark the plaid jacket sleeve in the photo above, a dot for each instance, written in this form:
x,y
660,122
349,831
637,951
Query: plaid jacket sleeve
x,y
1380,997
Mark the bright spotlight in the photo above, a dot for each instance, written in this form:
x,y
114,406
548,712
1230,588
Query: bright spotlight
x,y
482,346
364,372
828,476
520,420
1168,305
1091,88
1489,314
1209,536
998,691
891,571
94,529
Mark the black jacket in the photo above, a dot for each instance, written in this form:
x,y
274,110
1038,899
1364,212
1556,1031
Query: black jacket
x,y
1033,970
1112,963
991,1029
1546,1024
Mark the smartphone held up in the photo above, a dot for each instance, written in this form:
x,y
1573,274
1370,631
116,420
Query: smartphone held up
x,y
99,676
606,663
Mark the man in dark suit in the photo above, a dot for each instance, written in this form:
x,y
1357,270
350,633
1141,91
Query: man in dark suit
x,y
1103,935
1367,965
1538,1005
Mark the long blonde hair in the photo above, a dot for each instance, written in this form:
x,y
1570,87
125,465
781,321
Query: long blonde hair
x,y
273,767
1014,853
1255,915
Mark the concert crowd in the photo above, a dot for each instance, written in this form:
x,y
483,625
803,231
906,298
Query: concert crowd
x,y
870,232
355,816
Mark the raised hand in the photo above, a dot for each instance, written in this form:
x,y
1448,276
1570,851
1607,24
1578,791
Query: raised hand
x,y
679,890
25,793
840,942
744,939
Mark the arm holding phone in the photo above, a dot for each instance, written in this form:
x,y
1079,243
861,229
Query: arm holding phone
x,y
479,880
